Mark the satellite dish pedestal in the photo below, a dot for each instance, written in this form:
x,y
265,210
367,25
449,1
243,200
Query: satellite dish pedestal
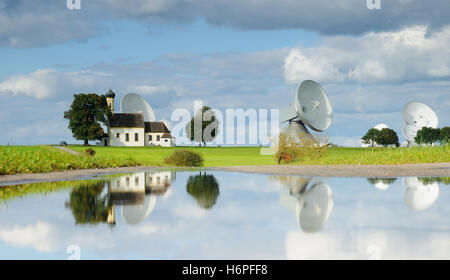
x,y
297,128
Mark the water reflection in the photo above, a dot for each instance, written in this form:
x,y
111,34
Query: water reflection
x,y
135,193
204,188
381,183
419,195
420,192
313,200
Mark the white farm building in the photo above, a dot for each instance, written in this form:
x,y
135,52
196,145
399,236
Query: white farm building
x,y
130,129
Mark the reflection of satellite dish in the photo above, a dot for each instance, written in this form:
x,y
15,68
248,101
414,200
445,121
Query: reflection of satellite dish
x,y
133,103
417,115
311,107
314,207
134,214
381,126
381,185
419,196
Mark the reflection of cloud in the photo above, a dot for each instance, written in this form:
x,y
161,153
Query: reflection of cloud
x,y
190,211
152,229
385,244
37,236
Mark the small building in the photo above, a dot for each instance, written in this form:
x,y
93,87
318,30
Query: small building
x,y
130,129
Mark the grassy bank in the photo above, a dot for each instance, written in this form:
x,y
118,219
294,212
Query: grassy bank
x,y
32,159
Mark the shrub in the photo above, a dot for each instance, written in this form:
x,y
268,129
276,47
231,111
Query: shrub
x,y
90,152
185,158
299,148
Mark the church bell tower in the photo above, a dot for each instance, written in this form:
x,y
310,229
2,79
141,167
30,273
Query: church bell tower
x,y
110,99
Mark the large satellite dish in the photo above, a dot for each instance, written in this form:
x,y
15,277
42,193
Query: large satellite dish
x,y
134,214
311,107
417,115
314,207
133,103
419,196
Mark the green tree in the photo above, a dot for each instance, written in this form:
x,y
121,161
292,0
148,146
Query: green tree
x,y
87,205
387,137
204,189
207,127
86,115
444,137
428,135
371,137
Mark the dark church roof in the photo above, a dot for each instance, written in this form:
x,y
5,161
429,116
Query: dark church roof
x,y
110,93
156,127
127,120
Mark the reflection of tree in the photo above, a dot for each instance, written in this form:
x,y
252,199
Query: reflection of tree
x,y
431,180
204,188
386,181
87,206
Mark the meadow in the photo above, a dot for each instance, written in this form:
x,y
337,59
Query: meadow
x,y
32,159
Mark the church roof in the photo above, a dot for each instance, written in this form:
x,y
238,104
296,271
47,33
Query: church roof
x,y
110,93
155,127
127,120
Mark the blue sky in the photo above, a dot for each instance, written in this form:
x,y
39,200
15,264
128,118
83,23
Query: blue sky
x,y
229,54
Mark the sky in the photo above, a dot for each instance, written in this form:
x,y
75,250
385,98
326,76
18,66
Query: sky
x,y
228,54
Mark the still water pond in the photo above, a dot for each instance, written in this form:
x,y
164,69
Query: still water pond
x,y
219,215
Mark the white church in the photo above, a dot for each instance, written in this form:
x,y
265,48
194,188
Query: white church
x,y
132,130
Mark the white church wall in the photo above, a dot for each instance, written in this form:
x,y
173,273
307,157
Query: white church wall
x,y
121,139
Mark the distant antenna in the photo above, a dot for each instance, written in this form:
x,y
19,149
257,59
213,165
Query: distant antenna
x,y
133,103
417,115
311,107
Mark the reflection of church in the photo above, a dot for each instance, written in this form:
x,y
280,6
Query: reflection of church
x,y
136,194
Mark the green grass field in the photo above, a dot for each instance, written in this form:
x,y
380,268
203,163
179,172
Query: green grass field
x,y
32,159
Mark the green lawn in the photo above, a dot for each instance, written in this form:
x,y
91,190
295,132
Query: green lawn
x,y
31,159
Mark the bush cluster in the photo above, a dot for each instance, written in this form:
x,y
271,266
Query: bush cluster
x,y
185,158
299,148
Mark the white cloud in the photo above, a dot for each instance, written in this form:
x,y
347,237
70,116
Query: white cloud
x,y
38,236
411,54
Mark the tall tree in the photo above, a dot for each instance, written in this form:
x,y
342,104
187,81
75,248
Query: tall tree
x,y
371,137
203,127
428,135
445,135
86,115
387,137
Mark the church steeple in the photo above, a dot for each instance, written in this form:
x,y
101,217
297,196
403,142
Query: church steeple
x,y
110,99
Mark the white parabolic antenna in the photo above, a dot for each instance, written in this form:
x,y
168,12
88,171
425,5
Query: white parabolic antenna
x,y
134,214
133,103
419,196
311,107
314,207
380,126
417,115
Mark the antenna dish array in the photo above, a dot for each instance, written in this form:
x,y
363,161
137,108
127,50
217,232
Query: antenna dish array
x,y
133,103
311,107
417,115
